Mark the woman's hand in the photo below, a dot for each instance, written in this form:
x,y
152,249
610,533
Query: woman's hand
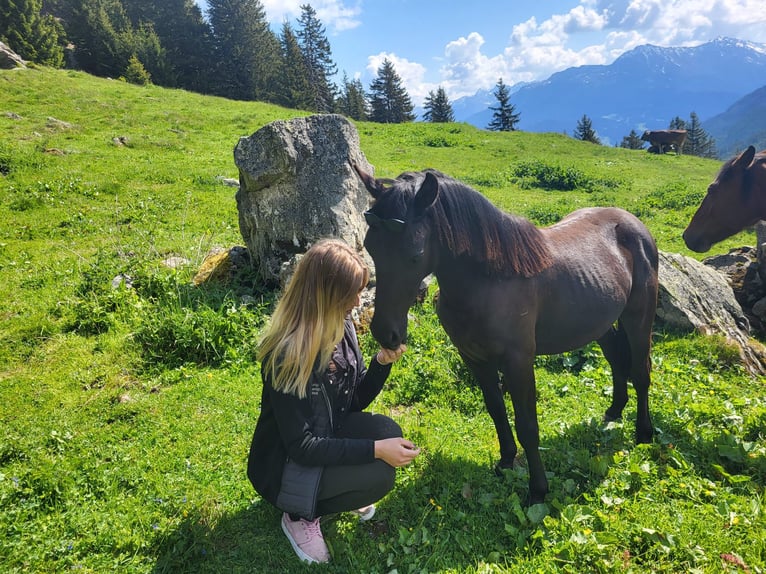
x,y
388,356
396,451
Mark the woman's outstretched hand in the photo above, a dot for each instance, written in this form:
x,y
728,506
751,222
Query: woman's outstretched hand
x,y
388,356
396,451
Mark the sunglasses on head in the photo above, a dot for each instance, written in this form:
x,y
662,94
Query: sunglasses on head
x,y
373,220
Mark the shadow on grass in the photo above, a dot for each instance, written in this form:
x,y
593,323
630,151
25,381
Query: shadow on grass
x,y
444,513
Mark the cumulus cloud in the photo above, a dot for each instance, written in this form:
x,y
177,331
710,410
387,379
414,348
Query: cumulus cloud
x,y
596,32
335,15
467,69
411,74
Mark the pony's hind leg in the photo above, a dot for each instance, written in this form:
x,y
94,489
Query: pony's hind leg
x,y
614,344
638,330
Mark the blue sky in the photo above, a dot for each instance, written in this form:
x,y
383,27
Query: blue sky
x,y
464,46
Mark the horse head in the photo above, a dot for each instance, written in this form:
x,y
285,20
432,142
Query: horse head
x,y
399,240
729,205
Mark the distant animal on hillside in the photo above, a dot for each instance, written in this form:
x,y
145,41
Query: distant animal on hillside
x,y
510,291
664,140
734,201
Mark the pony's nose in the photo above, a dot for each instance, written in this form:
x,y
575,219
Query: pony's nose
x,y
387,337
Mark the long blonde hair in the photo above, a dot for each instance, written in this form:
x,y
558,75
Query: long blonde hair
x,y
308,320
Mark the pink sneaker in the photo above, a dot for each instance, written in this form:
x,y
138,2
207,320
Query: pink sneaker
x,y
306,539
365,513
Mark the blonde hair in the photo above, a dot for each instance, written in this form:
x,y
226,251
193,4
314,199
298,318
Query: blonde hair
x,y
308,320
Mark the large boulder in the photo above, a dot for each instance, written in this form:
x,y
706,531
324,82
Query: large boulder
x,y
696,297
297,185
9,59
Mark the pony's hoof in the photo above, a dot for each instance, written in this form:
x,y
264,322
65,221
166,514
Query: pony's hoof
x,y
611,418
500,466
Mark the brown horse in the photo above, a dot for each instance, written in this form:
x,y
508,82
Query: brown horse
x,y
510,291
734,201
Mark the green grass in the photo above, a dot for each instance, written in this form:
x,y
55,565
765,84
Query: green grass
x,y
127,412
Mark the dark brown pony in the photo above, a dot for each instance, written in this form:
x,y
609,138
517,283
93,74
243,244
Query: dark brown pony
x,y
734,201
510,291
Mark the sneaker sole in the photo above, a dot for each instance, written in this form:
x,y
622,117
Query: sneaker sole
x,y
367,515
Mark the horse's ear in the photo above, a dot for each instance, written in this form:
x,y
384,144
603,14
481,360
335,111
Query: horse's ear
x,y
427,194
373,185
745,158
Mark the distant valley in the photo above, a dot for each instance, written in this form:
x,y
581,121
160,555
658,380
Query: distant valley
x,y
723,82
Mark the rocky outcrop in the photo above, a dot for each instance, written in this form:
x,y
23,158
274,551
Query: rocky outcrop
x,y
296,186
696,297
10,59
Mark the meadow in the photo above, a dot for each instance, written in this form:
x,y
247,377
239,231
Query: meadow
x,y
128,395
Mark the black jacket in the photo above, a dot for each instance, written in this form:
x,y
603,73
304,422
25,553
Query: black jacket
x,y
302,431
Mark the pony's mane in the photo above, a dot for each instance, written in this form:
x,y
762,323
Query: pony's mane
x,y
469,225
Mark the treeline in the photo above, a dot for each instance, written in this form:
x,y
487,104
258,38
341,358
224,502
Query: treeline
x,y
231,52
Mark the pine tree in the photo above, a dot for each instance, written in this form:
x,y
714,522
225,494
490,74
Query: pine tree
x,y
438,108
185,39
247,51
698,142
389,101
136,73
352,101
504,116
677,124
318,59
294,90
632,141
585,131
34,36
102,35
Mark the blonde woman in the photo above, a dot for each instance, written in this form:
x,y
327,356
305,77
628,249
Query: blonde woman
x,y
314,452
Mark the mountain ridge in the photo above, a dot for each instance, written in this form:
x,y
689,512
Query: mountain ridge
x,y
644,88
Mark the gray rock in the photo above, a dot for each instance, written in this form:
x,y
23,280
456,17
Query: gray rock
x,y
10,59
695,297
296,186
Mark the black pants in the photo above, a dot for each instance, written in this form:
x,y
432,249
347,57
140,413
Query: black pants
x,y
349,487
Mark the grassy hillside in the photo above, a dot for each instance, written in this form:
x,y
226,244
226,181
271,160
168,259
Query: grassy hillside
x,y
128,397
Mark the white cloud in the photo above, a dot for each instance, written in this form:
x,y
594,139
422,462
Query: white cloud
x,y
596,32
411,74
334,15
467,69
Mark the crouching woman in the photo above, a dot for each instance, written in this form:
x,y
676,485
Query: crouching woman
x,y
314,451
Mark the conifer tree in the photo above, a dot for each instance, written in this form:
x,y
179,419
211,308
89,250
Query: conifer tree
x,y
632,141
318,59
33,35
585,131
136,73
294,90
247,51
185,39
389,101
504,116
102,35
677,124
352,101
698,142
438,108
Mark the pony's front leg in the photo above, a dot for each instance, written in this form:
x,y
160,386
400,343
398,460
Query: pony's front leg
x,y
520,376
489,382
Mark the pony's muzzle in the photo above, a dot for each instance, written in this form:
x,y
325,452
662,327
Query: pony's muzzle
x,y
387,336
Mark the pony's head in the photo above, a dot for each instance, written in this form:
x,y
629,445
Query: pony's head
x,y
730,203
399,240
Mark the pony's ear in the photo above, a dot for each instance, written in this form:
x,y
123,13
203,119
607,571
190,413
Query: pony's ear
x,y
374,186
427,194
745,158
